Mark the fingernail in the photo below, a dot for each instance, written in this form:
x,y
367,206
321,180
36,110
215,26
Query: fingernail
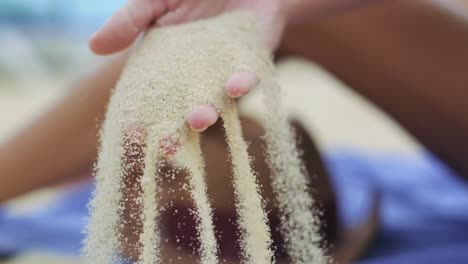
x,y
235,92
198,129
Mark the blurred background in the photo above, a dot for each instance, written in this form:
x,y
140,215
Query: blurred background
x,y
44,48
44,51
45,40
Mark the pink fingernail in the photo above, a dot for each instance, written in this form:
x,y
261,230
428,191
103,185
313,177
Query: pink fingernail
x,y
235,92
198,129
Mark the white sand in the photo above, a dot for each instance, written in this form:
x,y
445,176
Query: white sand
x,y
149,183
299,222
174,69
255,233
195,165
103,238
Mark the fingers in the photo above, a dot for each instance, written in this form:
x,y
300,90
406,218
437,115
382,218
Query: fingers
x,y
121,30
204,116
241,83
201,117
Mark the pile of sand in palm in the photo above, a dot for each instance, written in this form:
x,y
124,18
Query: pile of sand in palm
x,y
174,69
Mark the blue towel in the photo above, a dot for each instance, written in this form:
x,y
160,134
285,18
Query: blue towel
x,y
424,210
57,228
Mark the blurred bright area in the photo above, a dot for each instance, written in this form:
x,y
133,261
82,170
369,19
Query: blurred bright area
x,y
44,48
45,40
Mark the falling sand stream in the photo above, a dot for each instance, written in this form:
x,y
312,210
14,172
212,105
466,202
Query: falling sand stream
x,y
172,70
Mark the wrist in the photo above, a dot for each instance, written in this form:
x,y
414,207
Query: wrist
x,y
295,9
300,10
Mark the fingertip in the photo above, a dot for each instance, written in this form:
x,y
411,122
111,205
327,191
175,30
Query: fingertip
x,y
104,42
201,117
241,83
117,33
95,45
125,25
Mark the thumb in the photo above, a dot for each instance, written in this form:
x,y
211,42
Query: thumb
x,y
121,30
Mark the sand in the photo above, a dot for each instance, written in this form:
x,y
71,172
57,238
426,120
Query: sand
x,y
299,220
195,165
255,234
174,69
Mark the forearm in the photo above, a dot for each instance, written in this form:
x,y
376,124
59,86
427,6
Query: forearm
x,y
304,11
61,143
409,58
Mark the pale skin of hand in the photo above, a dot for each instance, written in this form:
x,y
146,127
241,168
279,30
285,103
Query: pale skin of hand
x,y
123,28
127,23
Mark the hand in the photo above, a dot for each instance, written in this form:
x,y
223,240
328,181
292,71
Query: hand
x,y
131,20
